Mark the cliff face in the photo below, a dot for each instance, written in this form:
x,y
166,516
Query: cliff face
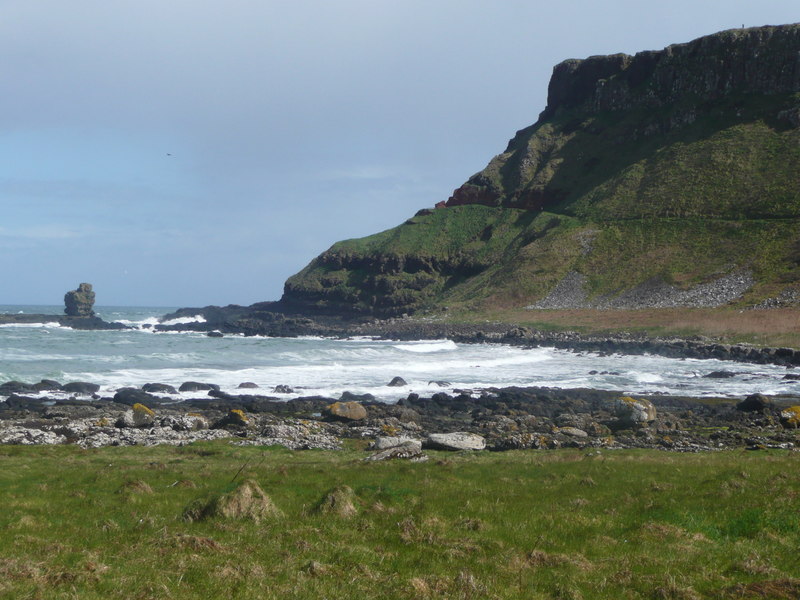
x,y
762,60
678,166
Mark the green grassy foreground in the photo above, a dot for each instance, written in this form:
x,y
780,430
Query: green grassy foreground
x,y
109,523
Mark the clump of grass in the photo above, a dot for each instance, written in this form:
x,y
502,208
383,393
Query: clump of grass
x,y
338,502
246,501
773,589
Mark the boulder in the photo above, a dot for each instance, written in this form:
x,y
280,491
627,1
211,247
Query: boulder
x,y
720,375
196,386
16,387
385,442
80,387
215,334
158,388
573,432
351,397
247,385
79,303
410,450
633,411
131,396
397,382
236,418
754,403
345,411
185,423
138,416
790,417
282,389
47,385
458,440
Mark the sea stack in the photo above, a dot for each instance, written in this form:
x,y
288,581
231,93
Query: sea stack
x,y
79,303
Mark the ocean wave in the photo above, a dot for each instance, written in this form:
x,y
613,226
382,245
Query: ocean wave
x,y
425,347
49,325
139,324
185,320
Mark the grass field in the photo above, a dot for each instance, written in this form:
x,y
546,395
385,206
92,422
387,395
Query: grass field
x,y
111,523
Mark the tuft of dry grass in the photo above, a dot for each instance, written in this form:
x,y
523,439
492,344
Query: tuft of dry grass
x,y
771,589
247,501
339,502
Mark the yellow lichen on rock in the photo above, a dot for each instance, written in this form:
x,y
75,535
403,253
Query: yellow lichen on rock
x,y
142,416
238,413
142,409
790,417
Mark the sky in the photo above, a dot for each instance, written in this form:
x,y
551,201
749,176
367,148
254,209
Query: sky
x,y
194,152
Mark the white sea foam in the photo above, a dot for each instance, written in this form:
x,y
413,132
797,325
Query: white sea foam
x,y
50,325
140,324
425,347
185,320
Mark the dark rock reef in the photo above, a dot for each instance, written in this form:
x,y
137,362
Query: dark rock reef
x,y
79,313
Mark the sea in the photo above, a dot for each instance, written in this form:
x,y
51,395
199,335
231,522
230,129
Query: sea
x,y
313,366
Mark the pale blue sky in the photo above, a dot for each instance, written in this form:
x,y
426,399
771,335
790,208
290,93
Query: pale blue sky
x,y
290,125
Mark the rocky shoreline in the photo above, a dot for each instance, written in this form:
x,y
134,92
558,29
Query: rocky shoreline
x,y
267,319
495,419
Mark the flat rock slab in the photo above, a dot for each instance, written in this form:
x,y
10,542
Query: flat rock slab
x,y
458,440
386,442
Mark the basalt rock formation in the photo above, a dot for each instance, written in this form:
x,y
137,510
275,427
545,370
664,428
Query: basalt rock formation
x,y
668,178
79,313
79,303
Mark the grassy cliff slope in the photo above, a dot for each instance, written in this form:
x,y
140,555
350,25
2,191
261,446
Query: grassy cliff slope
x,y
645,177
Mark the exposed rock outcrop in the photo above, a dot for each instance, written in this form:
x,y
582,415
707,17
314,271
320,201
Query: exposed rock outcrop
x,y
80,302
648,181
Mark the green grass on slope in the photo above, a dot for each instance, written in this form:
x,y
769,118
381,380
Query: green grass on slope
x,y
581,525
462,230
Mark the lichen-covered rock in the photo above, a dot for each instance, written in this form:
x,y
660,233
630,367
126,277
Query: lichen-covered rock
x,y
573,432
236,419
29,437
138,416
754,403
185,422
790,417
458,440
409,450
634,411
346,411
384,442
79,303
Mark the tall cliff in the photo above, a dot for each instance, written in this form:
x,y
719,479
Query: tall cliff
x,y
666,178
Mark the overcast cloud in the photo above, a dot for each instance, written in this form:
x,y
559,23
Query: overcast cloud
x,y
188,152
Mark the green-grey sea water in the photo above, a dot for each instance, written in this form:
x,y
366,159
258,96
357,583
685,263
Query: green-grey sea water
x,y
312,366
